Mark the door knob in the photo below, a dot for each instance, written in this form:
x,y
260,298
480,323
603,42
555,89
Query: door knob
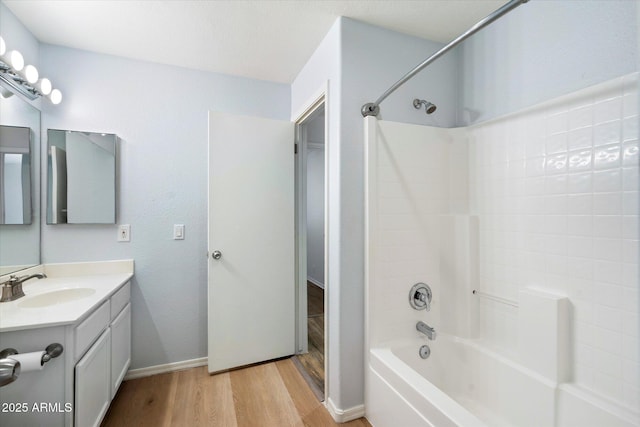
x,y
216,255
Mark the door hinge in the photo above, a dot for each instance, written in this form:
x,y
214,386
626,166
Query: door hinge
x,y
295,148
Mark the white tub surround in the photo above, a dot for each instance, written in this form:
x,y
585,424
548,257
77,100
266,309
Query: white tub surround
x,y
484,389
86,308
544,340
526,230
105,278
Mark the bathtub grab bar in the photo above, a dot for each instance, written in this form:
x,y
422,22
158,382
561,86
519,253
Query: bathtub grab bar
x,y
496,298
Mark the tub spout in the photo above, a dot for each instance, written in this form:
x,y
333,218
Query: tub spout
x,y
426,329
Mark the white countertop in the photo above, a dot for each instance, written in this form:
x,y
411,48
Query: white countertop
x,y
103,277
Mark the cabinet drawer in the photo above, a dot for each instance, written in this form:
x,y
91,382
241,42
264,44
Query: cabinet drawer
x,y
120,299
91,328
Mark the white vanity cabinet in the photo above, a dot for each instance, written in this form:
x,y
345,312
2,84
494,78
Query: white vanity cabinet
x,y
92,384
101,368
77,387
120,348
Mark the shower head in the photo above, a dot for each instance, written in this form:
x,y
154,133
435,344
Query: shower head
x,y
428,106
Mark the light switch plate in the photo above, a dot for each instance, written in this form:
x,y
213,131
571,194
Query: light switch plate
x,y
178,231
124,233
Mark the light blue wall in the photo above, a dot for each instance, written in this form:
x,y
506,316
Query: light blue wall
x,y
160,112
315,200
17,37
542,50
375,58
360,61
19,244
322,73
372,59
315,215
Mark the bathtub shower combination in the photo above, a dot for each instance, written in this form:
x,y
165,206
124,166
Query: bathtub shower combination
x,y
525,229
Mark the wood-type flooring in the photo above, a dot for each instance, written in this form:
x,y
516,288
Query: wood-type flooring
x,y
272,394
313,361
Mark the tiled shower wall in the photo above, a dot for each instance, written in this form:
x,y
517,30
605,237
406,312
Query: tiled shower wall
x,y
417,181
555,189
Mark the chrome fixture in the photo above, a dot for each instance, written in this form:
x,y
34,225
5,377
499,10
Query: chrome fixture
x,y
25,80
428,106
373,108
420,296
52,351
425,351
216,255
426,329
9,371
496,298
12,288
10,368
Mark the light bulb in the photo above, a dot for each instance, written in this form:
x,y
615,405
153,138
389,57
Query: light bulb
x,y
44,85
56,97
30,73
3,47
16,60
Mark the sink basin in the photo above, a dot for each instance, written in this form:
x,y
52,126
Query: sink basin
x,y
59,296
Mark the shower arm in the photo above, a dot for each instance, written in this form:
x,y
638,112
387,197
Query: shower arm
x,y
373,108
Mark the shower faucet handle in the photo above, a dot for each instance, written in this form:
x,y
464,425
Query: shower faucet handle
x,y
420,296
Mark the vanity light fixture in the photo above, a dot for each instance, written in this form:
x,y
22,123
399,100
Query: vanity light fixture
x,y
15,60
44,86
30,73
25,80
55,96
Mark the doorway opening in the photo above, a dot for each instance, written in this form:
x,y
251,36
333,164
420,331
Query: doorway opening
x,y
311,251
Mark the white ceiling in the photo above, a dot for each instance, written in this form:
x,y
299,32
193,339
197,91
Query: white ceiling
x,y
261,39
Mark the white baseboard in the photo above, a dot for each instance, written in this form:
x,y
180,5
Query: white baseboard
x,y
167,367
315,282
344,415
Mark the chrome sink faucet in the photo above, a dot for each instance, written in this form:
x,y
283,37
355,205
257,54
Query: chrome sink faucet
x,y
426,329
12,288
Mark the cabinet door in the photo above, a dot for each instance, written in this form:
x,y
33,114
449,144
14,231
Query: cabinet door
x,y
120,348
93,383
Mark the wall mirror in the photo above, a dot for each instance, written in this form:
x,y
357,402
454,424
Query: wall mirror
x,y
19,184
15,175
81,177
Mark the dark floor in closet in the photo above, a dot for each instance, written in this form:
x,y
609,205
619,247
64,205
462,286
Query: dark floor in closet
x,y
313,362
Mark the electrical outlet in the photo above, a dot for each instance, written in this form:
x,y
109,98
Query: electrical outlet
x,y
124,233
178,231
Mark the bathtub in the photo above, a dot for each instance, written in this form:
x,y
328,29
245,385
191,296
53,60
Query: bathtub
x,y
464,384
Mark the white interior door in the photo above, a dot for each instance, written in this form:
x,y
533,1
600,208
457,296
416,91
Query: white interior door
x,y
251,223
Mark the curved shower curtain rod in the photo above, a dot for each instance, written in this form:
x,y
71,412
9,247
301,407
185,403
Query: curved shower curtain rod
x,y
373,108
